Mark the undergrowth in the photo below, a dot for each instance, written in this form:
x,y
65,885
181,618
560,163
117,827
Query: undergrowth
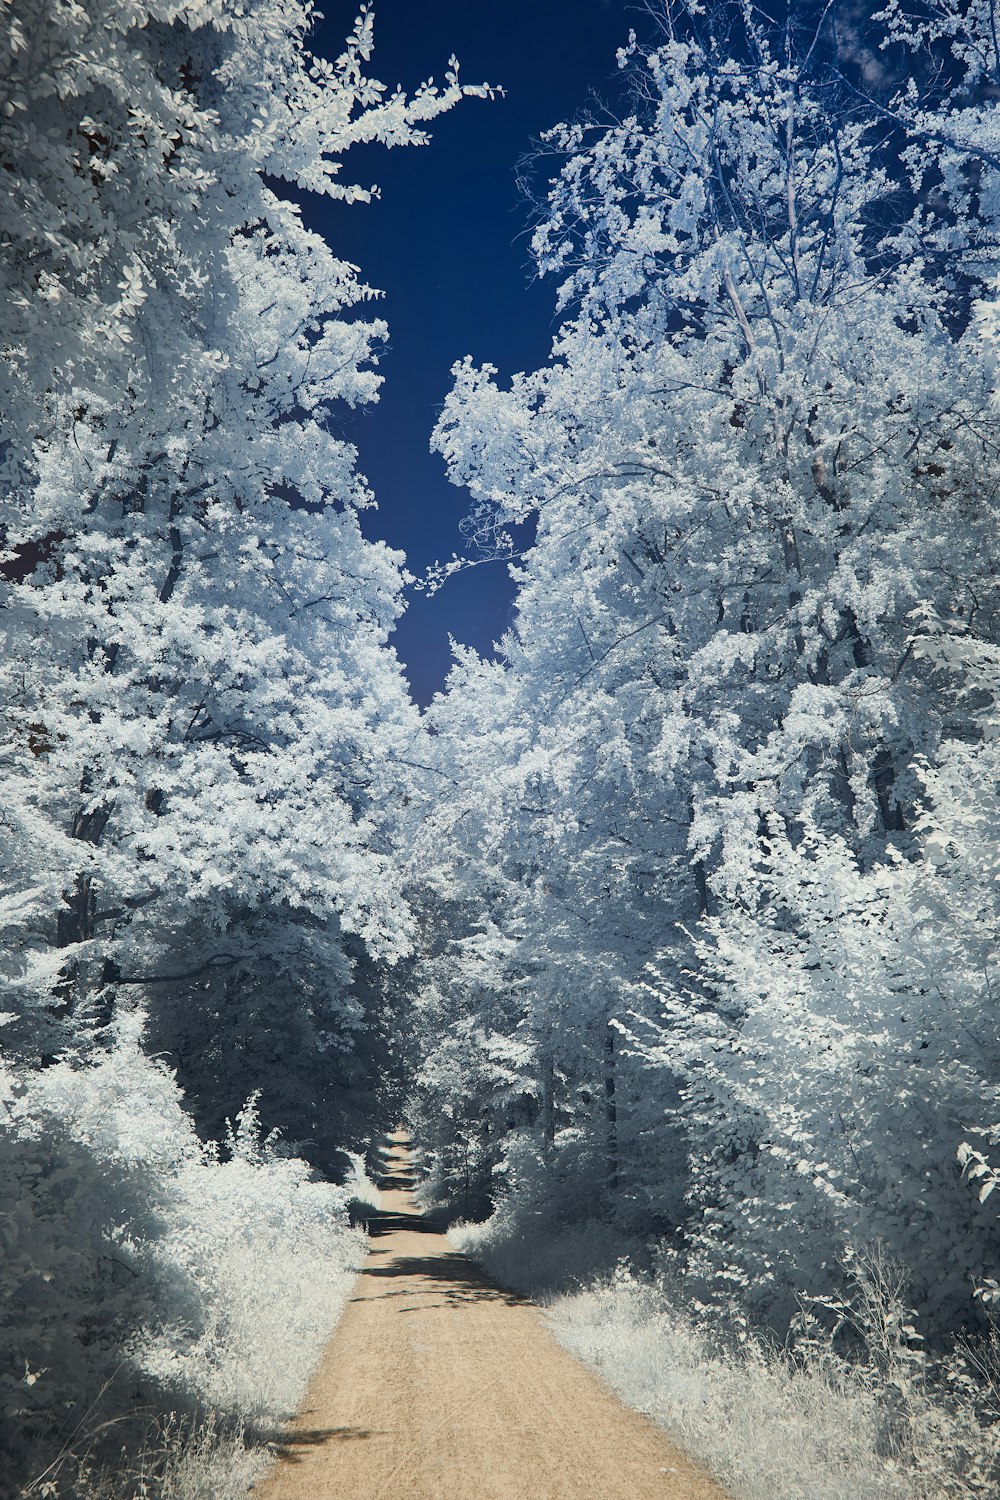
x,y
162,1303
850,1408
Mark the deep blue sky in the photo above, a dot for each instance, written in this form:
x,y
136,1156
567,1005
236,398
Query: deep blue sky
x,y
446,243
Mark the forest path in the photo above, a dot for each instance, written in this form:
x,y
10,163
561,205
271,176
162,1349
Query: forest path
x,y
438,1385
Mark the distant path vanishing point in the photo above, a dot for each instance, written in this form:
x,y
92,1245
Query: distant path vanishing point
x,y
438,1385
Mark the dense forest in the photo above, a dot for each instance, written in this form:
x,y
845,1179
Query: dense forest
x,y
670,928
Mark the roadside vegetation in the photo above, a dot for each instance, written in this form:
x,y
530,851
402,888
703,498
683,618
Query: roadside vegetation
x,y
848,1406
165,1300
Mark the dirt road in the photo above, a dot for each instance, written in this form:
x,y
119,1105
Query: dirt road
x,y
439,1386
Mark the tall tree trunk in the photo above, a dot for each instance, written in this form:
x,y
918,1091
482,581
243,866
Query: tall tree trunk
x,y
610,1108
75,922
548,1102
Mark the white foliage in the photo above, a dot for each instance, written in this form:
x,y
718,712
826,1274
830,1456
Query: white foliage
x,y
202,728
201,716
801,1426
141,1272
728,797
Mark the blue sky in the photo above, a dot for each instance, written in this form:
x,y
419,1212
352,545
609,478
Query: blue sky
x,y
446,243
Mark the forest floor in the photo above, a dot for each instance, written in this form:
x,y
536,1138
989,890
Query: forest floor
x,y
439,1385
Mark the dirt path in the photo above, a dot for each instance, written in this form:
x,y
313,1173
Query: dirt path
x,y
439,1386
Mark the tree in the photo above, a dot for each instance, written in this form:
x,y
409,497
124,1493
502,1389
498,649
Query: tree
x,y
203,731
764,450
203,720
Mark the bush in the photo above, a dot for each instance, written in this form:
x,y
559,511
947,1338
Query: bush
x,y
801,1423
851,1408
144,1275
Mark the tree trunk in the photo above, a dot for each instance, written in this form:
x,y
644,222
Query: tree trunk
x,y
548,1103
610,1108
75,920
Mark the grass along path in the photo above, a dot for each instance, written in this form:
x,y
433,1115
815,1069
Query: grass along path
x,y
438,1385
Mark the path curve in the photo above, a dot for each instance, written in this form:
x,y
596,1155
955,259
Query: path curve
x,y
438,1385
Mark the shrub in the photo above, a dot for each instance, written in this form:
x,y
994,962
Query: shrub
x,y
145,1275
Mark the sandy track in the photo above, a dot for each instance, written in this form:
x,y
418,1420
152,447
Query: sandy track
x,y
439,1386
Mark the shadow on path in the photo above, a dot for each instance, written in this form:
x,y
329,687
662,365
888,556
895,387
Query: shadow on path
x,y
292,1447
397,1182
382,1221
450,1275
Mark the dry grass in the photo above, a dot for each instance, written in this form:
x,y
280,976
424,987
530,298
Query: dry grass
x,y
802,1423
